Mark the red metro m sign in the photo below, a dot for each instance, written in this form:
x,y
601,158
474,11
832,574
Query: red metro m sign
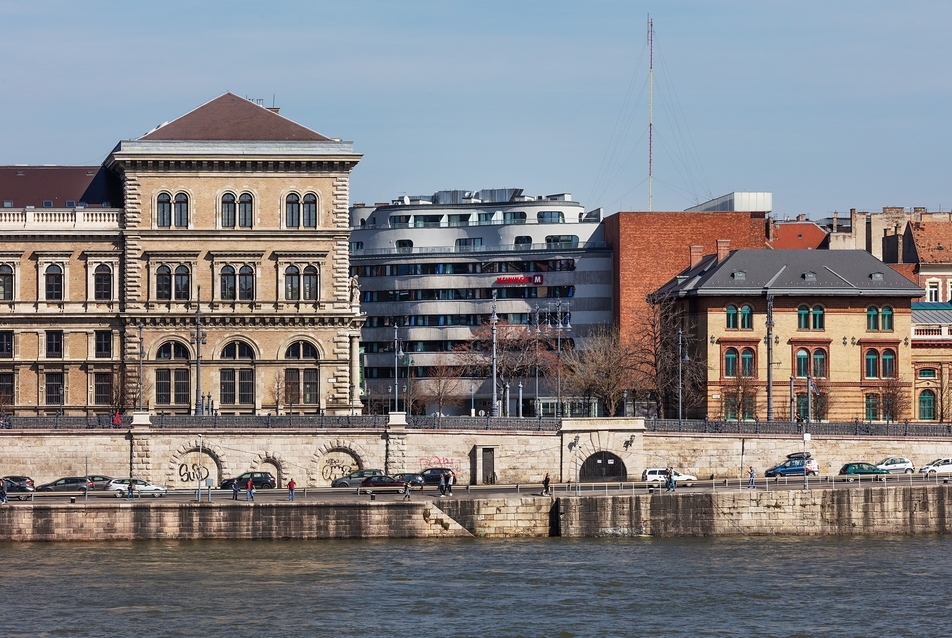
x,y
535,280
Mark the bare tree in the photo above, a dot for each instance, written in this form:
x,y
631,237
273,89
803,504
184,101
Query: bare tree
x,y
278,390
444,384
516,348
895,399
125,388
603,369
740,397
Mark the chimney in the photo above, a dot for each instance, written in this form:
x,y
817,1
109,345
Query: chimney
x,y
697,252
833,226
801,217
723,249
771,229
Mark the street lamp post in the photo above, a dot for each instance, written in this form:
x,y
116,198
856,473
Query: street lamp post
x,y
407,401
472,399
507,400
680,377
538,333
561,320
520,399
198,339
396,369
493,318
141,353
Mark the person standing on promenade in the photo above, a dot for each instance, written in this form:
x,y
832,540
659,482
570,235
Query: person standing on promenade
x,y
450,479
669,481
234,490
3,491
250,490
545,484
291,485
750,481
442,484
116,419
406,491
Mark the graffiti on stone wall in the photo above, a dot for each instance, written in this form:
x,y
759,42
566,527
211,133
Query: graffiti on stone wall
x,y
454,464
336,464
193,468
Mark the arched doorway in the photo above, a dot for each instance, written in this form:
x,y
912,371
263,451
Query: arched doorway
x,y
603,466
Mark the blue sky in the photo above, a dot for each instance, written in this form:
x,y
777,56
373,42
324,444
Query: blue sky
x,y
829,105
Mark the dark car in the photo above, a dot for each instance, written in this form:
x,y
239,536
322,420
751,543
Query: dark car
x,y
380,484
99,481
26,480
853,469
19,491
68,484
431,475
796,466
259,480
354,478
415,480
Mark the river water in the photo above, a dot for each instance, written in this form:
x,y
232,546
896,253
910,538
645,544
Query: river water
x,y
774,586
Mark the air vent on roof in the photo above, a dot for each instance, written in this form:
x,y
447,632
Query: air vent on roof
x,y
876,276
739,275
809,276
90,172
47,203
7,203
70,203
19,173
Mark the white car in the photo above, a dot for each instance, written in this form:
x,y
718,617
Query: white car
x,y
897,465
938,466
120,487
660,475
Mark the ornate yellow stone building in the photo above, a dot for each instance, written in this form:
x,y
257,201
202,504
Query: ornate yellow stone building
x,y
230,215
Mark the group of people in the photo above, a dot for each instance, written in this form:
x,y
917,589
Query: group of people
x,y
669,482
250,490
447,479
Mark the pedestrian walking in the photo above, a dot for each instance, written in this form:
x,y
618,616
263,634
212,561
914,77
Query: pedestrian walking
x,y
450,479
669,481
545,485
442,484
3,492
406,491
291,485
116,419
250,490
750,481
235,488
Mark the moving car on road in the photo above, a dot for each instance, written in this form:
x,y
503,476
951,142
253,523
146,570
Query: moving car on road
x,y
373,484
660,475
99,481
120,487
354,478
897,465
415,480
19,491
938,466
67,484
796,464
259,480
852,469
26,480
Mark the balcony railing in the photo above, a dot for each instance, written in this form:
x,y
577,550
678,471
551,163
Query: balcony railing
x,y
499,248
848,428
60,218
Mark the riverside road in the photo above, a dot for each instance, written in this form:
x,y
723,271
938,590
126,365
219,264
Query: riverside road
x,y
339,495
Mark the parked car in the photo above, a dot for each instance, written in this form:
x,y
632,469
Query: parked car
x,y
380,484
795,467
99,482
660,475
851,469
19,491
260,481
26,480
68,484
431,475
354,478
415,480
120,487
897,465
938,466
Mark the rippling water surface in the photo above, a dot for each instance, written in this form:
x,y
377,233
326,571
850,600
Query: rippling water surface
x,y
545,587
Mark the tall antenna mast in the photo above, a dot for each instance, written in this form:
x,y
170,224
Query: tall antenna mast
x,y
650,101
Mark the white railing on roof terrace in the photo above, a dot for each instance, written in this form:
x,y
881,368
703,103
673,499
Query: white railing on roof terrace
x,y
499,248
925,333
60,218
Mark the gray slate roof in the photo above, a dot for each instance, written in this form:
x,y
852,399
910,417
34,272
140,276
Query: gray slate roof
x,y
792,273
931,313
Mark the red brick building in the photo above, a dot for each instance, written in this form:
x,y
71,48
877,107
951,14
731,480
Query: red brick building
x,y
651,248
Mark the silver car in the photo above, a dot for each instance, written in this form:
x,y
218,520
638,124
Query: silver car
x,y
938,466
897,465
120,487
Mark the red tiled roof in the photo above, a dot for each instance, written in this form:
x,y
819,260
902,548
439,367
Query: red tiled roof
x,y
909,271
798,235
233,118
24,186
933,241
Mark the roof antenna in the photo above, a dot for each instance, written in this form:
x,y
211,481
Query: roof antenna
x,y
272,100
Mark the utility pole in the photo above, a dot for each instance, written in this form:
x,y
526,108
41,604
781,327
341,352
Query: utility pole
x,y
198,338
770,327
493,318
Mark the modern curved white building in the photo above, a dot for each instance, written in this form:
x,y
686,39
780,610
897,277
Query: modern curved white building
x,y
430,266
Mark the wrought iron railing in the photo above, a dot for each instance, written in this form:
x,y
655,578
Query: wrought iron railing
x,y
847,428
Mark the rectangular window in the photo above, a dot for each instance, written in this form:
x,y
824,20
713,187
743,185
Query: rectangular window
x,y
181,387
103,387
7,397
103,344
292,386
872,407
6,344
933,291
310,386
246,386
227,386
163,386
54,388
54,344
802,406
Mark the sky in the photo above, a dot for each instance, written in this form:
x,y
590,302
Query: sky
x,y
828,105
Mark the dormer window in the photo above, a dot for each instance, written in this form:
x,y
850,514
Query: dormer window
x,y
809,276
876,276
47,203
739,275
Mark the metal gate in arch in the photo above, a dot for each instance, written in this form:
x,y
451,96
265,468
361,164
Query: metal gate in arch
x,y
603,466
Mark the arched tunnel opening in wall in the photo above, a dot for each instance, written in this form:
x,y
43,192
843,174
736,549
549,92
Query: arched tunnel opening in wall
x,y
603,466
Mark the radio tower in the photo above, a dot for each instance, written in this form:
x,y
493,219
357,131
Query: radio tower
x,y
650,101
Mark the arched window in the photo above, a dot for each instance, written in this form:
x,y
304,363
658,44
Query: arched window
x,y
163,283
292,283
183,284
819,363
181,210
872,364
228,210
292,211
730,362
803,362
747,363
803,318
228,283
237,385
886,318
6,283
238,350
246,283
927,405
888,364
818,322
731,317
102,283
872,318
310,211
309,284
54,283
172,383
301,384
301,350
245,211
163,213
746,318
172,350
